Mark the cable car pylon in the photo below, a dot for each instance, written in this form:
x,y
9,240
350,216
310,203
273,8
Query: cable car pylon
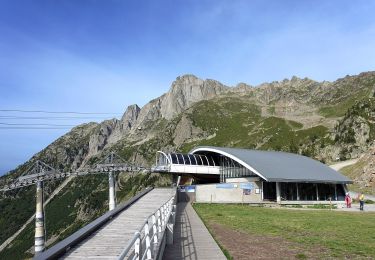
x,y
40,172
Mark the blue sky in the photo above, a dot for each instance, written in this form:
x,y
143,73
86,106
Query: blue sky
x,y
101,56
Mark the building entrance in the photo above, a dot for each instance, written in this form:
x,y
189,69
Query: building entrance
x,y
269,191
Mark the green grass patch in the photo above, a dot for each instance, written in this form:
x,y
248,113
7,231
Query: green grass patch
x,y
322,206
342,234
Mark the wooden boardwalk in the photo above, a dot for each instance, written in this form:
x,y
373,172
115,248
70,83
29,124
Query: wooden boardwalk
x,y
191,238
109,241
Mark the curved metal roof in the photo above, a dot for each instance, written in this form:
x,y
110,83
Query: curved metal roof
x,y
280,166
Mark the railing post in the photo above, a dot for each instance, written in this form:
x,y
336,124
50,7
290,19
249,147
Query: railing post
x,y
163,215
170,222
137,246
148,244
159,222
154,229
173,214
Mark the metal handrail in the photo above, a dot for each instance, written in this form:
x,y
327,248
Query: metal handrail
x,y
130,244
159,221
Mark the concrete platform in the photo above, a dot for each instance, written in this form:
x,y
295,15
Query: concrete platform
x,y
191,238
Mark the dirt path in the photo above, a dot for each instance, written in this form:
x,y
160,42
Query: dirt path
x,y
242,245
53,194
340,165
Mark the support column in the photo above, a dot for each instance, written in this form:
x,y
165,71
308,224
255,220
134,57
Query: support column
x,y
39,219
345,188
317,192
335,185
297,191
278,193
111,183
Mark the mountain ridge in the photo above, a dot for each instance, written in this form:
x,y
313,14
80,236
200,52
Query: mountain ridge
x,y
280,98
328,121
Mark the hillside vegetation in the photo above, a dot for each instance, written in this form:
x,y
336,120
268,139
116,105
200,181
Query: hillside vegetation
x,y
328,121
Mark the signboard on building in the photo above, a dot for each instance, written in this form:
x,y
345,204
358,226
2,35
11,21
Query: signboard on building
x,y
225,186
190,188
247,186
187,188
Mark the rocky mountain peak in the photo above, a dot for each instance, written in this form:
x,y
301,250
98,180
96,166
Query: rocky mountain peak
x,y
242,88
185,91
294,78
130,116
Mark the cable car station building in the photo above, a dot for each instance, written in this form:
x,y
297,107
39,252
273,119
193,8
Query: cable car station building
x,y
231,175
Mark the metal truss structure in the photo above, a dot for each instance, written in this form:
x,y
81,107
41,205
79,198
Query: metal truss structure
x,y
41,171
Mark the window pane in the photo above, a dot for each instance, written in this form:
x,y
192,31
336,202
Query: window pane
x,y
174,158
199,159
211,161
187,160
180,159
192,159
204,159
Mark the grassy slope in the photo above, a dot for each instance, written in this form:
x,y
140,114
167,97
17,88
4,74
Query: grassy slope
x,y
339,109
345,96
15,211
342,234
236,123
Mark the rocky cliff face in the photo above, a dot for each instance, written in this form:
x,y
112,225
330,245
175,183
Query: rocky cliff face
x,y
135,123
184,92
187,90
75,149
303,100
365,175
70,151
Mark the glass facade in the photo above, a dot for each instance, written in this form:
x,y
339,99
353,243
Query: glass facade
x,y
311,191
291,191
192,159
232,169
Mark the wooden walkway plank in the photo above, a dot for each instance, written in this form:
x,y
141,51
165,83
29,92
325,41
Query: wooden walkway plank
x,y
191,238
109,241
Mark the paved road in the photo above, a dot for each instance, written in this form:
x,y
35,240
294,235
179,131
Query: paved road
x,y
191,238
355,208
